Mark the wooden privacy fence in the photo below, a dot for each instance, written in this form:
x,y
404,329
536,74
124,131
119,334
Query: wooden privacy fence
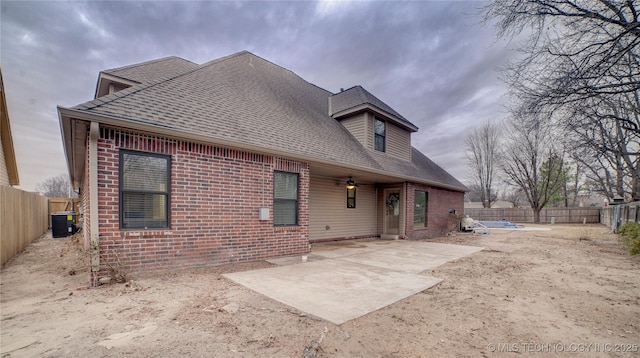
x,y
615,216
23,218
525,215
63,204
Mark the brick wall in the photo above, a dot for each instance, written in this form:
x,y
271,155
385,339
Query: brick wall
x,y
439,202
215,198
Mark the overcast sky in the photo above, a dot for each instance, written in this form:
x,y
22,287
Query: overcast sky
x,y
429,60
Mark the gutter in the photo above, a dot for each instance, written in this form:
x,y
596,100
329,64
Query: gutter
x,y
194,137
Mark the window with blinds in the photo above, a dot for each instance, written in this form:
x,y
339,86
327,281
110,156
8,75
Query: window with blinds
x,y
285,199
144,190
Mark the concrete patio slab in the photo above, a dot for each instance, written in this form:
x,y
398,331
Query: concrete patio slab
x,y
411,262
291,260
345,280
334,290
407,256
349,248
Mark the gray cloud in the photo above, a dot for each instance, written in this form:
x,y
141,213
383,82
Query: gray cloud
x,y
428,60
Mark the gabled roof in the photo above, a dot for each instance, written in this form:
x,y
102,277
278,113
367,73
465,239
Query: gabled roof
x,y
153,70
356,99
247,102
7,139
143,72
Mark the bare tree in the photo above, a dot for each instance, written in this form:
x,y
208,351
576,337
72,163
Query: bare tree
x,y
475,194
580,64
482,154
603,174
532,162
55,187
607,147
514,195
575,184
575,49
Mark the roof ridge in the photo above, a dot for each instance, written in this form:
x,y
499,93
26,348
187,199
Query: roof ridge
x,y
369,98
146,63
363,95
224,58
366,98
142,86
134,89
393,111
245,101
342,90
246,52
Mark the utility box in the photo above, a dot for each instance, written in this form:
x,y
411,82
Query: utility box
x,y
63,224
264,214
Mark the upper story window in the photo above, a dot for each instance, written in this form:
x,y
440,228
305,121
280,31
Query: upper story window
x,y
380,134
144,190
285,199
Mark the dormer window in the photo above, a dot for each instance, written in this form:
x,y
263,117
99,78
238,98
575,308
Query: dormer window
x,y
372,122
380,134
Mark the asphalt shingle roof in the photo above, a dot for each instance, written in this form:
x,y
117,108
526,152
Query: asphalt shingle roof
x,y
248,100
153,70
356,96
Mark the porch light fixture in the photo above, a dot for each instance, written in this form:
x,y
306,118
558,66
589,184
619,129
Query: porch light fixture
x,y
350,183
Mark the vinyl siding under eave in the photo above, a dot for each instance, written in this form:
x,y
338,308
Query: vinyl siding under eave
x,y
357,126
116,87
380,213
369,131
328,208
398,142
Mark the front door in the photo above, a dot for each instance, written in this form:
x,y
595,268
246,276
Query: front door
x,y
392,212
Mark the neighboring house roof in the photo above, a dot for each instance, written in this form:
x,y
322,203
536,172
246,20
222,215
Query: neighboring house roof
x,y
247,102
357,98
8,151
473,205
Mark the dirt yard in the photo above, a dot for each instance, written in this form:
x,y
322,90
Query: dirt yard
x,y
568,291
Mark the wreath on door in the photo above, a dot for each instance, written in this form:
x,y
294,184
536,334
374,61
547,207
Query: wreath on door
x,y
392,200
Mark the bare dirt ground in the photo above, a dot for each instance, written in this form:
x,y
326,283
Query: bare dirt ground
x,y
569,291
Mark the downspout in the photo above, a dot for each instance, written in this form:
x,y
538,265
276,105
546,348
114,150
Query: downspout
x,y
94,134
403,213
380,218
